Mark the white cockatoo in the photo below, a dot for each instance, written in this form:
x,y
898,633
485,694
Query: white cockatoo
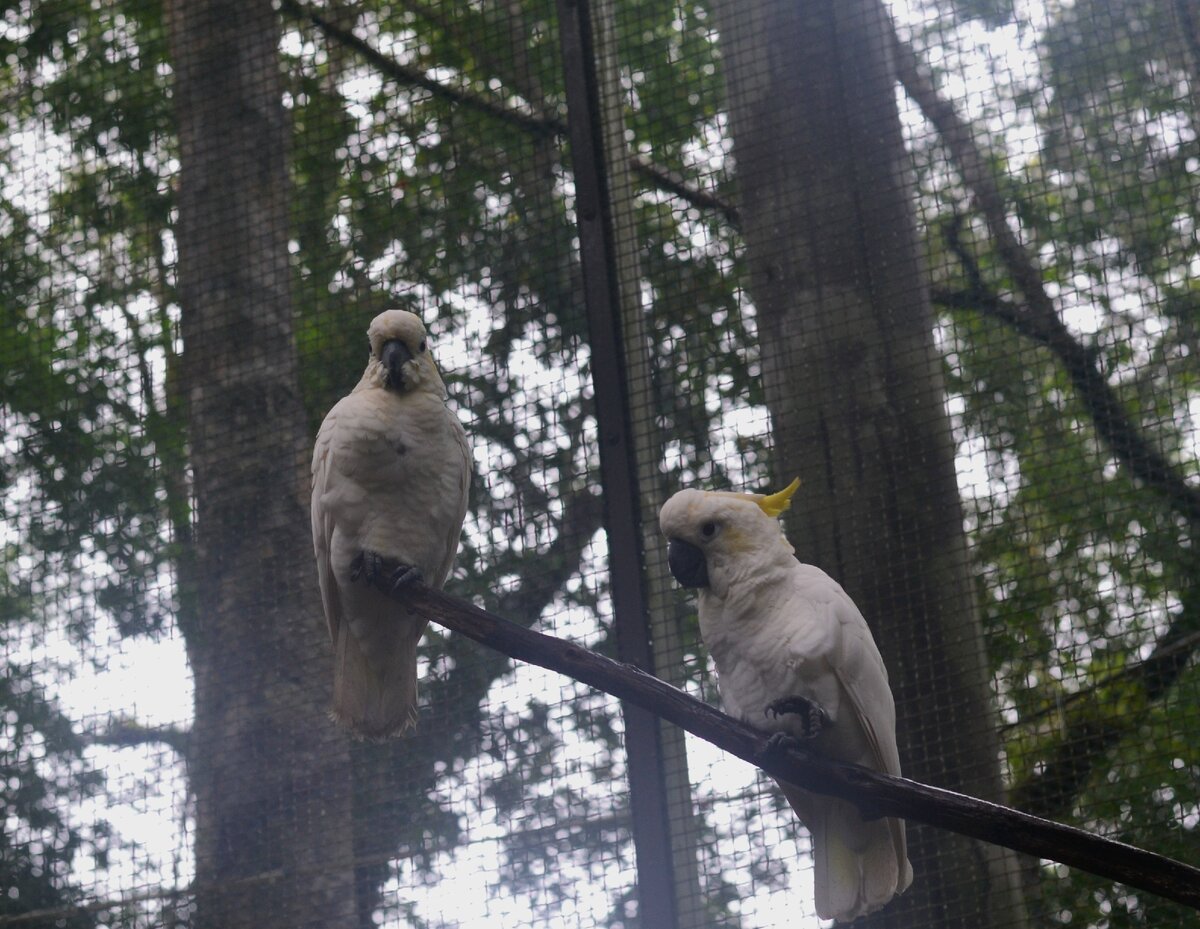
x,y
390,473
794,656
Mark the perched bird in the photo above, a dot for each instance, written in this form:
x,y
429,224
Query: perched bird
x,y
794,655
390,473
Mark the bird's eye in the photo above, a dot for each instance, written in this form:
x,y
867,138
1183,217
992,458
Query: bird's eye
x,y
422,346
708,530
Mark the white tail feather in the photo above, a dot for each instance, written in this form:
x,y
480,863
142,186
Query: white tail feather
x,y
858,866
375,699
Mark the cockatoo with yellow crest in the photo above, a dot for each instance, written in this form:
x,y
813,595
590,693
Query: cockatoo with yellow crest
x,y
794,656
390,473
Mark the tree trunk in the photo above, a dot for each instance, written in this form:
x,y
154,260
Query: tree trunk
x,y
855,390
269,772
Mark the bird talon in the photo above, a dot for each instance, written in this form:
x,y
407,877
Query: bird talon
x,y
812,717
778,744
405,576
367,565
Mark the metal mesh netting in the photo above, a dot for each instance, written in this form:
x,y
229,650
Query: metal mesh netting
x,y
936,258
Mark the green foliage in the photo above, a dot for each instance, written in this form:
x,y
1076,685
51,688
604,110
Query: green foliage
x,y
81,503
1088,575
42,771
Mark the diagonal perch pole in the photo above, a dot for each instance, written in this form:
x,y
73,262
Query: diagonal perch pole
x,y
874,793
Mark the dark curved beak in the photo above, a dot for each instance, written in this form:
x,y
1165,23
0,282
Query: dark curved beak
x,y
395,355
687,563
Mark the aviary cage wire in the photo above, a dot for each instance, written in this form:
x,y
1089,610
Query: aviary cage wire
x,y
430,167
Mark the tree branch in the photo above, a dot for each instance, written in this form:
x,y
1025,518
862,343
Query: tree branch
x,y
1090,729
674,184
1037,316
1085,738
537,124
874,793
125,733
1158,663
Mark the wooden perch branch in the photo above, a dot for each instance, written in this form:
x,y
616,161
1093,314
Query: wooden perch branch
x,y
874,793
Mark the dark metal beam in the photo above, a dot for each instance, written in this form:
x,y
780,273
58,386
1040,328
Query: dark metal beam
x,y
647,787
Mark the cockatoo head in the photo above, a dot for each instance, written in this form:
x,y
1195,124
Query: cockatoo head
x,y
714,537
400,353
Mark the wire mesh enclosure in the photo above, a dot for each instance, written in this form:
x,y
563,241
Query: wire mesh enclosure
x,y
936,258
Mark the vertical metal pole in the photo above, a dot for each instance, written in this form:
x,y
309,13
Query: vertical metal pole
x,y
683,822
647,789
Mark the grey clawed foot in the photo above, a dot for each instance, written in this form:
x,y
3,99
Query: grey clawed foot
x,y
405,576
373,568
367,565
780,743
811,717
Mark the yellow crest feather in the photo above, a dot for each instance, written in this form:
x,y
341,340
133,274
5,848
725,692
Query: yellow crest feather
x,y
774,504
